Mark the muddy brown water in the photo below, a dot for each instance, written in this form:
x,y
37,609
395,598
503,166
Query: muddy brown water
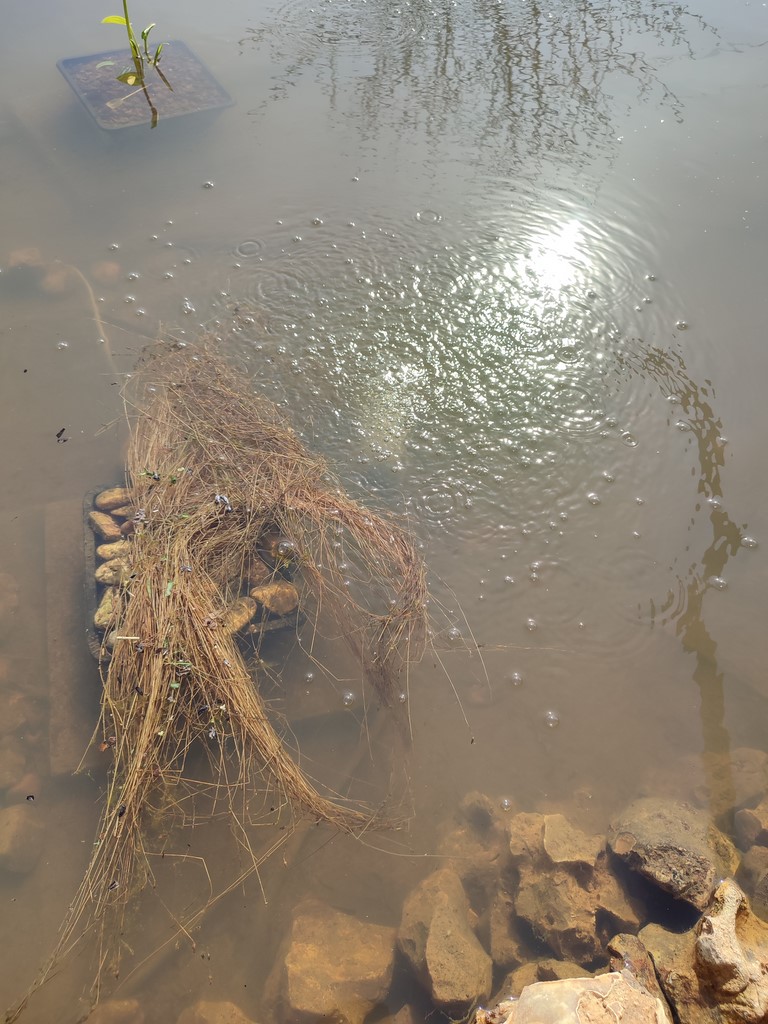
x,y
505,266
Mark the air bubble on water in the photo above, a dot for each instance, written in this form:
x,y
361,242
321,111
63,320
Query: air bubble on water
x,y
168,275
317,222
187,307
133,276
531,625
639,501
505,804
628,439
402,698
62,344
516,678
608,477
593,499
140,312
749,542
347,698
509,579
534,577
683,426
647,299
563,516
717,583
715,503
129,299
286,548
455,635
650,277
552,719
113,247
682,325
309,677
208,184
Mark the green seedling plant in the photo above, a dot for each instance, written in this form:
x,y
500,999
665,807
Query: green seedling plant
x,y
142,59
141,55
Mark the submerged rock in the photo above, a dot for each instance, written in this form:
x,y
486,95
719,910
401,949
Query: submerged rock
x,y
477,847
627,953
566,893
436,938
716,973
104,526
279,598
21,838
208,1012
112,498
751,825
117,1011
604,1000
335,968
674,846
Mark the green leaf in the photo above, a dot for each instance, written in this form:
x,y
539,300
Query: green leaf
x,y
128,78
114,19
147,30
105,64
169,588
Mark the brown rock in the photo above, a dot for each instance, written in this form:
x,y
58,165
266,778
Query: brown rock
x,y
561,913
106,271
13,761
239,614
113,573
279,598
476,845
117,1011
436,939
28,256
716,973
567,845
206,1012
751,825
112,498
505,943
104,526
526,839
558,970
674,846
627,953
336,967
21,837
57,280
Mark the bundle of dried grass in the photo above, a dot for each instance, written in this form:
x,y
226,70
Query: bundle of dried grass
x,y
215,473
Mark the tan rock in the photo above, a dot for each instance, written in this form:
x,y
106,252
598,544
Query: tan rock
x,y
57,280
107,609
209,1012
627,953
106,271
278,598
239,614
104,526
21,837
436,938
602,1000
716,973
526,839
117,549
117,1011
112,498
476,848
336,968
566,845
114,572
28,256
505,944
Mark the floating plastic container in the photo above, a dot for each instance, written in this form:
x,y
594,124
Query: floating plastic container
x,y
115,105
